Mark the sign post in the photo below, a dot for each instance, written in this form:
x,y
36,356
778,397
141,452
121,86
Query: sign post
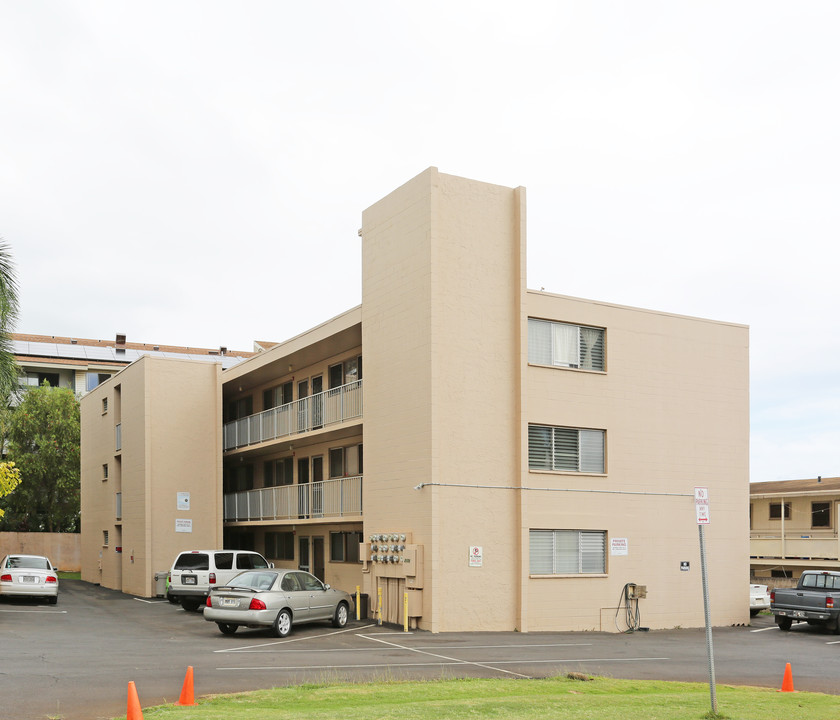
x,y
701,506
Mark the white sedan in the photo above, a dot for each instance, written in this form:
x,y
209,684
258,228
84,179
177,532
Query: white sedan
x,y
28,575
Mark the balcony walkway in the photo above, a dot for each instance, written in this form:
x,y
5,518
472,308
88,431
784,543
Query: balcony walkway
x,y
336,498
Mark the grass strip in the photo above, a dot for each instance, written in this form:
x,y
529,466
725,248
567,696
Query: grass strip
x,y
476,699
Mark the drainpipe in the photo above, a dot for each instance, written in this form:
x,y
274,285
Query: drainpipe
x,y
784,506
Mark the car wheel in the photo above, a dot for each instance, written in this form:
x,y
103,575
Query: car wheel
x,y
754,612
282,624
53,600
784,623
172,598
227,628
190,604
341,614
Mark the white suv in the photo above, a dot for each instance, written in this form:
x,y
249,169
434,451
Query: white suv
x,y
196,571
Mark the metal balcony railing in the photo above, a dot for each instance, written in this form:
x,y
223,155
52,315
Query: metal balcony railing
x,y
310,413
822,544
339,497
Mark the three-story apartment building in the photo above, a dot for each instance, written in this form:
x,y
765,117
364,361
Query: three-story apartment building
x,y
471,454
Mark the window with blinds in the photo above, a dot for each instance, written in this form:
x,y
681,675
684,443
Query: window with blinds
x,y
565,345
568,552
568,449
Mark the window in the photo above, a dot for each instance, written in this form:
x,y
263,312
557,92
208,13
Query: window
x,y
280,545
104,472
336,462
118,505
821,514
344,546
277,396
239,478
38,379
278,472
104,405
568,449
563,345
776,511
94,379
105,538
568,552
238,409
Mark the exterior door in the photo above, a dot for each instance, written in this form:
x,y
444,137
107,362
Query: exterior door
x,y
318,558
317,402
303,553
318,486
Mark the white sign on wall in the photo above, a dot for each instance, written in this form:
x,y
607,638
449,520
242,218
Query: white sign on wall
x,y
701,505
183,500
182,525
476,555
618,546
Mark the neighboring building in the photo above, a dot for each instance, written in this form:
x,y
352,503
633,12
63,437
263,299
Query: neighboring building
x,y
81,364
793,527
518,459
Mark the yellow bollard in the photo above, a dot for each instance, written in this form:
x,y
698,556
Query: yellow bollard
x,y
379,604
358,609
405,612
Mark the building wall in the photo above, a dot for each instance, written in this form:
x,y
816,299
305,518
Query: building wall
x,y
170,417
673,401
440,331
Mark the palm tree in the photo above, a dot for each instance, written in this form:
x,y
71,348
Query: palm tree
x,y
9,370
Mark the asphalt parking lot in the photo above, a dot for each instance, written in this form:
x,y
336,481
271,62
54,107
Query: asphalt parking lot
x,y
74,660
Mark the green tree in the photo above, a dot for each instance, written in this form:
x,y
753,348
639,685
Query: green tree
x,y
9,480
9,370
43,442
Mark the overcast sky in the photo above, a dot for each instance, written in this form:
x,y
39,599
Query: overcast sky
x,y
194,173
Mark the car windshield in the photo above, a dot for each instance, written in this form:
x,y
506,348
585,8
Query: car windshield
x,y
192,561
24,561
256,580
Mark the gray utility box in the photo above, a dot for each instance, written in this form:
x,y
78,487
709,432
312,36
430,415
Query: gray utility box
x,y
160,583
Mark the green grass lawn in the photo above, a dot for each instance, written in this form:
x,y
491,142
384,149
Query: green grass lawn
x,y
69,575
572,699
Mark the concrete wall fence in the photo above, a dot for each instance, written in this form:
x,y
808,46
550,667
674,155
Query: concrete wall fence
x,y
63,549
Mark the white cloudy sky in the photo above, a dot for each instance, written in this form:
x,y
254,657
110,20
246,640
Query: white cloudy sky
x,y
194,173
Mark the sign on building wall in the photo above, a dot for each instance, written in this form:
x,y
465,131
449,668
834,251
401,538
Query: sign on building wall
x,y
476,555
182,525
183,500
619,546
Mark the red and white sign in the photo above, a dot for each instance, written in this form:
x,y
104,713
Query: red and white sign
x,y
701,505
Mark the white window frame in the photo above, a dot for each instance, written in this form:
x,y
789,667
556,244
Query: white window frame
x,y
568,552
566,345
566,449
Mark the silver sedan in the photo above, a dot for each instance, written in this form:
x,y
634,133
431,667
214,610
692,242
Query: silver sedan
x,y
276,599
29,575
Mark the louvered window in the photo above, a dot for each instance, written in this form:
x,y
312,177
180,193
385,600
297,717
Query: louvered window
x,y
565,345
568,552
568,449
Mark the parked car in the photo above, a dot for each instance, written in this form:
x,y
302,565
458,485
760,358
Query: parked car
x,y
29,575
759,599
277,599
815,600
195,572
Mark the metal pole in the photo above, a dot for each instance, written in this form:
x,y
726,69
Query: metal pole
x,y
708,614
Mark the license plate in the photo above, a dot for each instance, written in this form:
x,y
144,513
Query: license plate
x,y
188,580
798,613
229,602
29,579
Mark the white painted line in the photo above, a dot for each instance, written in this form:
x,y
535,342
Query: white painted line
x,y
833,642
309,651
152,602
34,612
396,666
772,627
444,657
286,641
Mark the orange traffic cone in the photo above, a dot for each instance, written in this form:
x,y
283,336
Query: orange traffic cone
x,y
787,681
187,697
133,712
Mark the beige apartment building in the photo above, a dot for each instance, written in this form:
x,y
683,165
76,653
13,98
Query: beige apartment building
x,y
479,455
794,527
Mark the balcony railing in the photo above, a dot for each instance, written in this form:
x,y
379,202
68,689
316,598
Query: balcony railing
x,y
340,497
817,544
310,413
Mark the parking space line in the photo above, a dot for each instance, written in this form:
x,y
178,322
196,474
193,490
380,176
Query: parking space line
x,y
152,602
771,627
443,657
286,641
42,612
